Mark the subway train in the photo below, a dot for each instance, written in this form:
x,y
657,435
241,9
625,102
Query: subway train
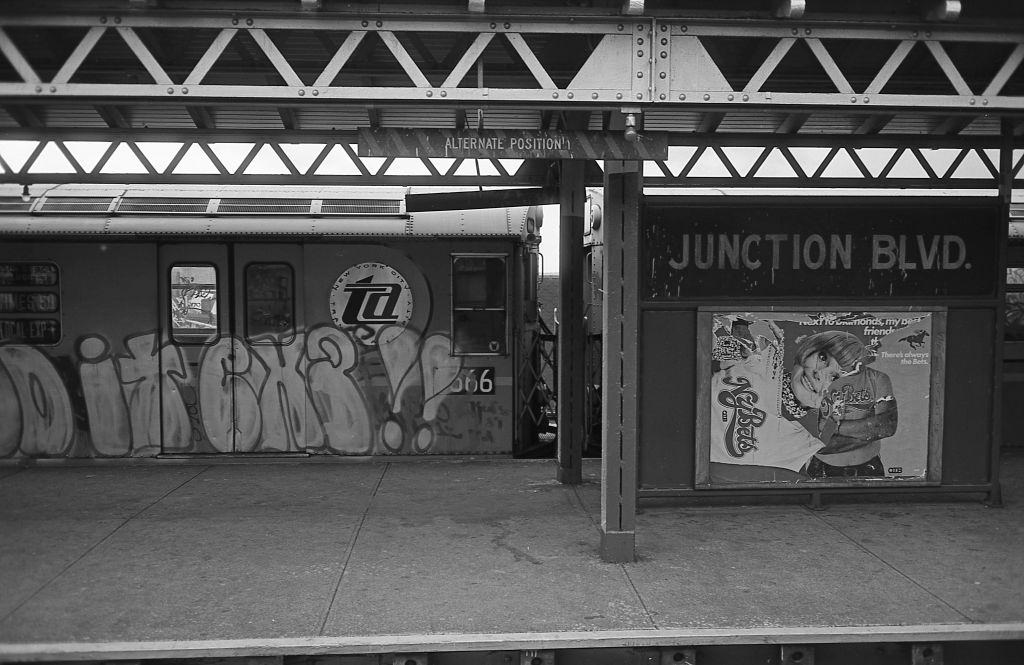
x,y
165,322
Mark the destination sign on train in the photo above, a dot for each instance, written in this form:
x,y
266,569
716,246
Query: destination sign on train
x,y
512,144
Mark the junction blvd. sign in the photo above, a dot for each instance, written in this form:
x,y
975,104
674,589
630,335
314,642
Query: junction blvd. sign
x,y
512,144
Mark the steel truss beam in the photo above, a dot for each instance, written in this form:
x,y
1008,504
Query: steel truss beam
x,y
234,158
598,62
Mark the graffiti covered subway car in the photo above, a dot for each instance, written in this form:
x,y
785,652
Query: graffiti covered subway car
x,y
139,323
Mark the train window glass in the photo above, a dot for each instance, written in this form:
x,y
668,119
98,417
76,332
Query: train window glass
x,y
1015,304
30,302
479,304
269,303
193,302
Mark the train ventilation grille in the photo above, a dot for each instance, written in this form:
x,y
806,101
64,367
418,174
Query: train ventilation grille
x,y
13,204
360,207
163,206
79,204
264,206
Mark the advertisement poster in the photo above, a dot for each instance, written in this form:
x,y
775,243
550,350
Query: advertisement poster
x,y
824,397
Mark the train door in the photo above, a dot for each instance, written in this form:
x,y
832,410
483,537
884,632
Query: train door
x,y
197,350
232,359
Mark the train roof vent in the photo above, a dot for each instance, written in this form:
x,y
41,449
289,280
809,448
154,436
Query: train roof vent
x,y
163,205
361,207
264,206
14,204
75,204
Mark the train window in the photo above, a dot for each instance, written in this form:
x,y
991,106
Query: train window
x,y
30,303
479,304
193,303
269,303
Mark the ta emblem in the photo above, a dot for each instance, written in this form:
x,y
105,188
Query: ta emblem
x,y
368,297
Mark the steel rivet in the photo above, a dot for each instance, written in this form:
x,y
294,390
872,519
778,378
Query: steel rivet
x,y
867,99
640,53
593,95
493,26
366,23
508,25
664,27
682,28
639,28
234,21
746,98
807,31
170,91
554,95
53,88
928,33
731,97
117,19
853,100
184,91
640,41
430,93
39,88
249,22
444,93
664,41
794,31
639,96
103,19
682,98
316,92
972,101
984,102
914,33
662,96
620,27
664,54
302,93
380,24
707,98
639,75
618,95
570,95
662,75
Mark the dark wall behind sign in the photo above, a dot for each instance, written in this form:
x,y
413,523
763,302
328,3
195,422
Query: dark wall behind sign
x,y
819,247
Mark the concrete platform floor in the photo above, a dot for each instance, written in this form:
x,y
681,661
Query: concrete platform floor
x,y
174,559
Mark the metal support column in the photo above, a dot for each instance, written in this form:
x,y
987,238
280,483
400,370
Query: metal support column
x,y
571,333
995,497
622,188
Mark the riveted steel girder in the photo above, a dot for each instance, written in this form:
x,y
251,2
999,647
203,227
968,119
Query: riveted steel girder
x,y
599,62
746,103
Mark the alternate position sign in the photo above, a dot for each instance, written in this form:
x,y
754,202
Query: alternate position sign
x,y
495,144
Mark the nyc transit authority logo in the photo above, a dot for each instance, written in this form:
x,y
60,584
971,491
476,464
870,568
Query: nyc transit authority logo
x,y
369,296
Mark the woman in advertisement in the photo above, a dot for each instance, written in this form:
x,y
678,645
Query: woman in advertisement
x,y
858,411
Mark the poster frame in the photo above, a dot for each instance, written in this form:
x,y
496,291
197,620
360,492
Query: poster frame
x,y
936,406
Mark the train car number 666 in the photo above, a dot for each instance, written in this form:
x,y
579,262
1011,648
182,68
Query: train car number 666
x,y
474,381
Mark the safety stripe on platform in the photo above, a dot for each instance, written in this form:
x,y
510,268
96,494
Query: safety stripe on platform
x,y
446,642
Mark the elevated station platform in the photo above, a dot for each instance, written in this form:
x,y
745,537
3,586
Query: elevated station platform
x,y
369,561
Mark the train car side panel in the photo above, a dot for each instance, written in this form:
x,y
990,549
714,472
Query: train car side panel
x,y
383,378
79,377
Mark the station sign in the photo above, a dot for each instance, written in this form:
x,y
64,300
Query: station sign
x,y
510,144
814,248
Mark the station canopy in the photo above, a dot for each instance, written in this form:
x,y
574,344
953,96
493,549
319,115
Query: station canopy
x,y
745,93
